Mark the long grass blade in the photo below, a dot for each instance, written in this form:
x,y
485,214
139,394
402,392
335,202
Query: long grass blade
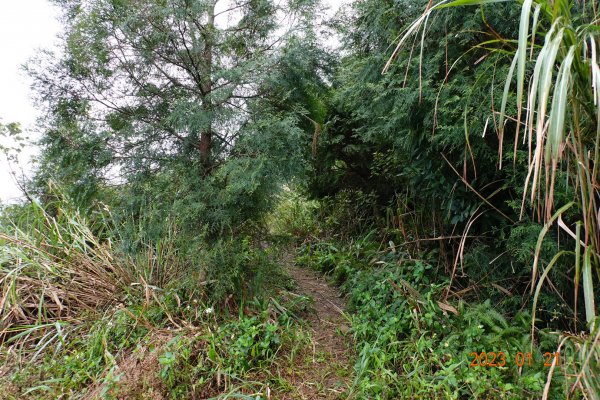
x,y
542,235
588,287
539,287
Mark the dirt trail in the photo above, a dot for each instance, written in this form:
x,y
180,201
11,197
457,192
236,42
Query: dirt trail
x,y
326,371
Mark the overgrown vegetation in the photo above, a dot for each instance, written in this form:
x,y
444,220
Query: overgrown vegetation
x,y
78,315
440,167
413,342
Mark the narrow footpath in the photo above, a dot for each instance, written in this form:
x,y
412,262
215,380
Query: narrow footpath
x,y
326,371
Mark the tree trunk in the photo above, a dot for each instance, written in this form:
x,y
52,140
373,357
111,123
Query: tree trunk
x,y
205,144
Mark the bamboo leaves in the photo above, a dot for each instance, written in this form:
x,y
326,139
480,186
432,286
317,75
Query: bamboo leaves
x,y
558,113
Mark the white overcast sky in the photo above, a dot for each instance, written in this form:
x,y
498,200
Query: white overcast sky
x,y
25,27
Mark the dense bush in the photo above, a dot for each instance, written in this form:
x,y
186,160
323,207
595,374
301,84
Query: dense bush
x,y
238,270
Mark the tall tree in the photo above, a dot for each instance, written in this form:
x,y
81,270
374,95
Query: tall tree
x,y
164,79
176,97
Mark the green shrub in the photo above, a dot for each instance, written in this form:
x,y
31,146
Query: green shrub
x,y
294,216
238,270
219,358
